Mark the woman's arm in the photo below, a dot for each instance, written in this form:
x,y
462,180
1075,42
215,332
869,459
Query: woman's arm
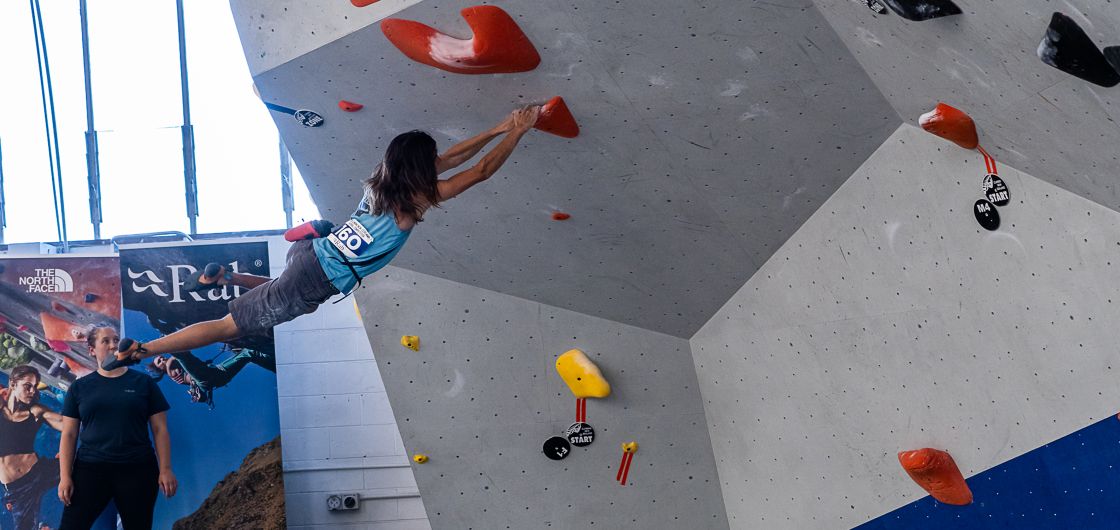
x,y
167,482
52,418
66,447
465,150
523,120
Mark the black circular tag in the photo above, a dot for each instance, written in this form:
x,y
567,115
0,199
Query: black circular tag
x,y
308,118
557,448
986,214
996,190
580,434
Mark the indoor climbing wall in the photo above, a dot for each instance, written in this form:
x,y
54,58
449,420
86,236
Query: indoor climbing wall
x,y
892,321
1034,117
709,133
481,394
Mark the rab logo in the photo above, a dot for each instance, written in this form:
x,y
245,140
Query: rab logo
x,y
147,280
48,281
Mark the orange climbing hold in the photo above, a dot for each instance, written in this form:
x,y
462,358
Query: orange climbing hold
x,y
349,106
555,118
951,124
57,330
936,473
560,216
498,46
362,3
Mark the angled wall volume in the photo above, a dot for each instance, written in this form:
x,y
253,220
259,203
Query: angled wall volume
x,y
892,321
707,135
482,395
1032,116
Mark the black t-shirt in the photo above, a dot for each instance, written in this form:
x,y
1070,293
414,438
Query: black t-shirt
x,y
114,412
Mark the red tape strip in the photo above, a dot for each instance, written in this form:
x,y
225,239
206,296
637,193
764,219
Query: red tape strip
x,y
989,162
621,466
626,467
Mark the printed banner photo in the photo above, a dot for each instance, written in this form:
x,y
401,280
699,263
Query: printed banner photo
x,y
224,419
47,307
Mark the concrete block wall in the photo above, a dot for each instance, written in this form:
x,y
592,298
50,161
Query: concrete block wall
x,y
482,395
337,428
891,321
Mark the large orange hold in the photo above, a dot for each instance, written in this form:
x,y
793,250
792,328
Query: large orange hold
x,y
937,473
555,118
58,330
498,46
951,124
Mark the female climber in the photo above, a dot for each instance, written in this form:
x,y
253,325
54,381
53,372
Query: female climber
x,y
394,199
24,474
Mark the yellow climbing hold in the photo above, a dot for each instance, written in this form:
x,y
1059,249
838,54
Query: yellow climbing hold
x,y
630,447
411,342
420,458
582,376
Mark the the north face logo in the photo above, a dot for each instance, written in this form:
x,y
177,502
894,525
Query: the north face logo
x,y
48,281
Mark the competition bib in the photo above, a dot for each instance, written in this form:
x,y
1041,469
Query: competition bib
x,y
351,239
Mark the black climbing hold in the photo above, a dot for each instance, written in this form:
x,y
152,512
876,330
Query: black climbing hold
x,y
1112,55
986,214
995,190
557,448
580,434
90,297
919,10
1067,48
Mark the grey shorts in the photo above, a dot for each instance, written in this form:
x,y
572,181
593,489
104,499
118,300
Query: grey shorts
x,y
298,291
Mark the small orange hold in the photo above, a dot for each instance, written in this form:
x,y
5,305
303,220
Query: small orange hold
x,y
362,3
560,216
951,124
555,118
937,473
350,106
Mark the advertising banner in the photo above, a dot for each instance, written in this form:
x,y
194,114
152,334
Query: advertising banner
x,y
224,421
47,307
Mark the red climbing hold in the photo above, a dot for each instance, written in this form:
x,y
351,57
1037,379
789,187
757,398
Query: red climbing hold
x,y
349,106
936,473
951,124
555,118
362,3
560,216
498,46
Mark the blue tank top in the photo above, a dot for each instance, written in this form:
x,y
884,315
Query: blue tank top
x,y
367,242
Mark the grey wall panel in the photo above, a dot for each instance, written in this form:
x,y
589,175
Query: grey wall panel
x,y
274,32
709,134
891,321
1032,116
482,395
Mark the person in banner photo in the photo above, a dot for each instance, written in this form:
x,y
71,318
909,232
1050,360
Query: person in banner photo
x,y
25,474
394,199
202,377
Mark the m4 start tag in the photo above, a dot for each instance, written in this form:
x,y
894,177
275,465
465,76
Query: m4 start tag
x,y
986,214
